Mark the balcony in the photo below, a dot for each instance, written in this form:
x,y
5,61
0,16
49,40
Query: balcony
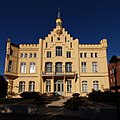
x,y
59,74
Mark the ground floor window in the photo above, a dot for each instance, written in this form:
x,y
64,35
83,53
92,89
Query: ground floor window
x,y
84,86
69,85
21,86
31,86
48,85
95,85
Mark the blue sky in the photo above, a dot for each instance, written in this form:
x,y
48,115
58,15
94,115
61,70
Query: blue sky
x,y
25,21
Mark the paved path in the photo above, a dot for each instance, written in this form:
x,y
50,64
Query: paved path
x,y
57,108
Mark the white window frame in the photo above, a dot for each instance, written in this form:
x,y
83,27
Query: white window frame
x,y
31,86
68,67
83,66
23,67
48,67
69,85
48,85
94,67
21,86
96,85
32,67
84,86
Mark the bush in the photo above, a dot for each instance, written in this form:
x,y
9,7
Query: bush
x,y
74,103
75,94
3,87
99,96
30,95
39,100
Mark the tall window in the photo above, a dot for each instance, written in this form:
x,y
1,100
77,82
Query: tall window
x,y
70,44
68,54
48,54
35,55
95,85
91,54
48,67
10,66
94,67
21,86
84,86
83,66
69,85
68,67
81,55
21,55
48,85
51,39
31,86
46,44
65,39
26,55
58,51
58,67
96,54
32,67
85,54
23,67
30,55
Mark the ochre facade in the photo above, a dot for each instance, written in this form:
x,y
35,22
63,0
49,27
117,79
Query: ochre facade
x,y
57,64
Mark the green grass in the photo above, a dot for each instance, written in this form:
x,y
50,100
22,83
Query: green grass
x,y
10,100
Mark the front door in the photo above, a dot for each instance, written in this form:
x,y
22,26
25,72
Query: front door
x,y
58,87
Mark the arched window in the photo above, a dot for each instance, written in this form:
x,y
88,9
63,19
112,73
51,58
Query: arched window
x,y
31,86
58,67
84,86
48,67
30,55
68,67
95,85
21,86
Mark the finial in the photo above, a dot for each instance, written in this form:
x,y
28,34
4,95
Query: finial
x,y
58,13
8,40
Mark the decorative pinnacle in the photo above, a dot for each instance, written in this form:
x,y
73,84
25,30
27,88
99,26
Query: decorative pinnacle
x,y
58,13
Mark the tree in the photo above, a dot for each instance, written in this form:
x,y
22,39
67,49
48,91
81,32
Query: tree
x,y
3,87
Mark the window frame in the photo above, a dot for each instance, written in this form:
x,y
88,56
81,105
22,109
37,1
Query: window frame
x,y
83,67
69,85
68,54
23,67
84,86
48,54
31,86
48,85
94,67
21,86
58,50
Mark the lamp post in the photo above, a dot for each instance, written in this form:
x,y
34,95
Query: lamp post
x,y
114,60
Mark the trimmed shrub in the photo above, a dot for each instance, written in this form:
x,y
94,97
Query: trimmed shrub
x,y
75,94
30,95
